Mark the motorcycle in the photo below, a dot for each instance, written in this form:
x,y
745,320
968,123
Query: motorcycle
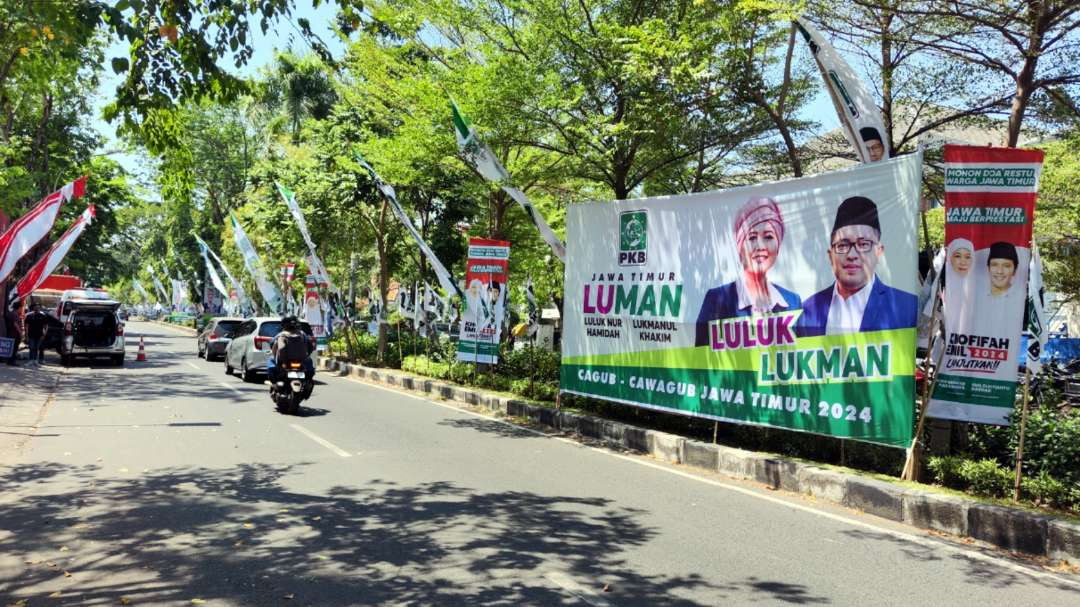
x,y
291,386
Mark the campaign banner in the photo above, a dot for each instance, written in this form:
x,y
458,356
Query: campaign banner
x,y
989,211
485,300
313,313
789,304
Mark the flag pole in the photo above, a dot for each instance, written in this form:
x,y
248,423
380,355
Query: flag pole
x,y
1023,426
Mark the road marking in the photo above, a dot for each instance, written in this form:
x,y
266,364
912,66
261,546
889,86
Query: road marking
x,y
922,541
588,595
193,366
322,441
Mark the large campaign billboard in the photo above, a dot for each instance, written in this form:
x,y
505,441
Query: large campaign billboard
x,y
788,304
989,209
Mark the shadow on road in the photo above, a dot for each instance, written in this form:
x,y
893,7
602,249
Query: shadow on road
x,y
239,537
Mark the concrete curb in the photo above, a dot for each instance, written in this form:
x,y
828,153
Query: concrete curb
x,y
1009,528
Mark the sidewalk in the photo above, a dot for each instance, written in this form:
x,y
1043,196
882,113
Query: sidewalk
x,y
25,393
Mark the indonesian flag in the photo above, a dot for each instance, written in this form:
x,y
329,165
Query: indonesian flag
x,y
29,229
53,257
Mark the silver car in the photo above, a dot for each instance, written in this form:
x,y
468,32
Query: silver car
x,y
215,337
250,346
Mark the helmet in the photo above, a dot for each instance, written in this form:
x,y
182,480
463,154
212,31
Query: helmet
x,y
290,323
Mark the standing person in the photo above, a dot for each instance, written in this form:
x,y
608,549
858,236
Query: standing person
x,y
11,323
37,323
759,232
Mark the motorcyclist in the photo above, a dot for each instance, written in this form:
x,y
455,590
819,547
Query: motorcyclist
x,y
289,345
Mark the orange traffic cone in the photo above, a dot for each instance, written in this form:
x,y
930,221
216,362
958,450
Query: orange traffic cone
x,y
141,356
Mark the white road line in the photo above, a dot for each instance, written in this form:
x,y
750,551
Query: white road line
x,y
322,441
588,595
922,541
193,365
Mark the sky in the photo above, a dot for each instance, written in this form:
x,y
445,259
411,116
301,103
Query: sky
x,y
285,34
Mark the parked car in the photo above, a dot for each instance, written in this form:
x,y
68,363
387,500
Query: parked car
x,y
216,335
251,343
91,326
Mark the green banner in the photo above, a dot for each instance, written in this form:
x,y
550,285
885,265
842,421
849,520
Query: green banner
x,y
784,305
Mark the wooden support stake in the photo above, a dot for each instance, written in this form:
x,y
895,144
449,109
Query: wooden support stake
x,y
1023,426
911,465
715,429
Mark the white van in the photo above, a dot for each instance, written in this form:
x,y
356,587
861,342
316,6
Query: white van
x,y
91,326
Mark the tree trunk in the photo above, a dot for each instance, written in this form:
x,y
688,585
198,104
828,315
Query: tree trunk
x,y
887,69
1025,80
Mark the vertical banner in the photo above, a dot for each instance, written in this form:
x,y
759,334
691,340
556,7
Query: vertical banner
x,y
859,115
789,304
486,288
271,295
989,210
313,311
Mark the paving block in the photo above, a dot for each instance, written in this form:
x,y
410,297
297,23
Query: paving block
x,y
516,408
408,382
1063,541
1008,528
927,510
875,497
548,417
664,446
613,432
356,370
445,391
701,455
636,439
591,427
823,484
776,472
568,421
736,462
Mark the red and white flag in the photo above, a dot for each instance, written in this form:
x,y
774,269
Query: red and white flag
x,y
28,230
44,266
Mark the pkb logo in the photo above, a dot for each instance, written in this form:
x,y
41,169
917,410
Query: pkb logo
x,y
633,237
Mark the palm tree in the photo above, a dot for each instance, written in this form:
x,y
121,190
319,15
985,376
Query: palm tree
x,y
295,89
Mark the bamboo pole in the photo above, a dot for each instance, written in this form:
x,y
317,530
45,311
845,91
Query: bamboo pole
x,y
1023,426
911,463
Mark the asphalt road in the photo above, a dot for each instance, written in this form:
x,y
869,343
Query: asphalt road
x,y
168,482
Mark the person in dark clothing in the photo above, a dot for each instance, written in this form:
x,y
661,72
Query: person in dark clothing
x,y
11,323
37,323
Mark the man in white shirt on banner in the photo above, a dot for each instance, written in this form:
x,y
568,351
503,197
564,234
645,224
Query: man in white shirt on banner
x,y
858,300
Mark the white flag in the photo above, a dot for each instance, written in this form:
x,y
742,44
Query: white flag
x,y
241,296
268,289
315,264
859,116
1036,312
484,161
387,190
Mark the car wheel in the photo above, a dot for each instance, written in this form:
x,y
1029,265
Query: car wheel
x,y
118,360
247,374
65,359
228,367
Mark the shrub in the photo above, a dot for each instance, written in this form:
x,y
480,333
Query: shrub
x,y
1046,490
985,477
945,470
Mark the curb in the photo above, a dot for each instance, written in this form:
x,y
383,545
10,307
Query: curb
x,y
1007,528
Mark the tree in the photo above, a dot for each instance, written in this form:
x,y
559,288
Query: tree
x,y
1029,44
296,88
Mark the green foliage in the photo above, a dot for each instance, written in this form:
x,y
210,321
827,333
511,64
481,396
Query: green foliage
x,y
985,477
945,470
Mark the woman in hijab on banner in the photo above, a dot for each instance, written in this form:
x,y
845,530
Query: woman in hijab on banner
x,y
759,232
